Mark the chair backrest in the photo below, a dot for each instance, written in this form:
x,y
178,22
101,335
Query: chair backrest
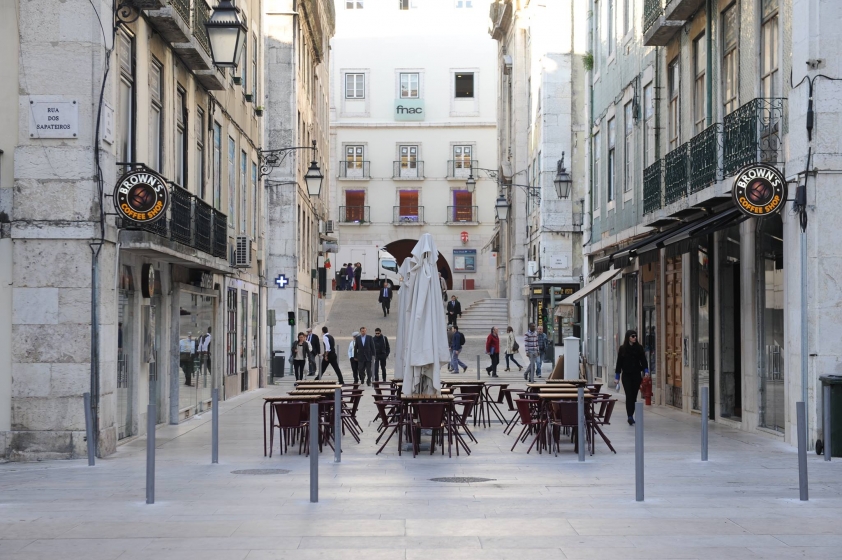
x,y
430,415
606,419
524,410
382,412
470,389
467,401
568,412
558,370
290,414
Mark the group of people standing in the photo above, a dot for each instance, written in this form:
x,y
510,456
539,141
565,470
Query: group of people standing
x,y
349,275
363,351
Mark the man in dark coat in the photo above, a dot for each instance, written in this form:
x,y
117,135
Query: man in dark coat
x,y
364,353
454,310
386,297
315,350
349,277
381,354
358,273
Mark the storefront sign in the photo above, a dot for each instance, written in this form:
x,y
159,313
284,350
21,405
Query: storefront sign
x,y
282,281
142,196
409,109
147,280
53,119
759,190
464,260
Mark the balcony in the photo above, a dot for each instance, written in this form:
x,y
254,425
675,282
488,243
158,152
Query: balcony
x,y
191,222
172,21
407,170
408,215
461,168
753,134
652,188
675,174
462,215
354,170
705,149
682,9
355,215
657,29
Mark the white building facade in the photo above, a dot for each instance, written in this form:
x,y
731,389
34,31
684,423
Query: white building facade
x,y
413,115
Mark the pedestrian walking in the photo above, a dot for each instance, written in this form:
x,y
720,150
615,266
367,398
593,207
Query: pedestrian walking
x,y
349,277
300,352
205,353
385,298
543,345
343,276
358,274
450,346
456,345
352,357
530,344
443,285
364,353
381,353
631,361
454,310
314,357
187,355
492,348
329,355
511,348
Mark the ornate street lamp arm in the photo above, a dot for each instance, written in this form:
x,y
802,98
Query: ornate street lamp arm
x,y
271,159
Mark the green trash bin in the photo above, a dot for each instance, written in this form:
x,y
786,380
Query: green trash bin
x,y
835,384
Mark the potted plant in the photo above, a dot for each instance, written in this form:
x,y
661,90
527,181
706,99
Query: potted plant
x,y
238,80
258,111
249,97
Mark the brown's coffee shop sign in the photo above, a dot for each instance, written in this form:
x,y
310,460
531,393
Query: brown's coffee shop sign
x,y
141,196
759,190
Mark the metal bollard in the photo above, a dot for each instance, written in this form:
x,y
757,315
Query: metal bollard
x,y
801,415
215,426
314,453
638,451
478,366
89,430
151,415
583,441
337,420
826,416
704,423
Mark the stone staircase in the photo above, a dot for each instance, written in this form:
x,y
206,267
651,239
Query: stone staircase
x,y
481,315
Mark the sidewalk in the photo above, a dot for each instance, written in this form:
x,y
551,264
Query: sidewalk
x,y
742,503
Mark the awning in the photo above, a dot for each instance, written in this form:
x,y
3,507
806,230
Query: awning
x,y
696,228
491,239
590,287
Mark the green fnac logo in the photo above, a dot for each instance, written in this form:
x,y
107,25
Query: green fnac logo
x,y
409,110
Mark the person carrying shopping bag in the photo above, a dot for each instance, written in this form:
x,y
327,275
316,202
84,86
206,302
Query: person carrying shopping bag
x,y
512,348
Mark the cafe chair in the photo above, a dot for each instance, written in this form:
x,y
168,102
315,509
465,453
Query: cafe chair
x,y
429,416
292,422
531,421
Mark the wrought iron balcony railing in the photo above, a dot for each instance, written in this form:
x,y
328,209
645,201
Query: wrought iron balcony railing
x,y
705,150
201,14
652,188
354,214
652,10
460,214
354,170
408,215
462,168
182,7
408,170
190,221
753,133
675,174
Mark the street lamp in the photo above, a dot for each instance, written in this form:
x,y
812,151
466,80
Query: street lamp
x,y
227,34
562,179
471,183
314,176
502,208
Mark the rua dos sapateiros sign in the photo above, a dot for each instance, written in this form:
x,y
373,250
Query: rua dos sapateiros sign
x,y
759,190
141,195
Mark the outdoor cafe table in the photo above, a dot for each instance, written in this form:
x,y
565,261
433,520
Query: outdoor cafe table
x,y
486,404
267,401
316,382
321,391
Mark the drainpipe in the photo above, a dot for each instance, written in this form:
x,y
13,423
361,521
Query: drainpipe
x,y
709,57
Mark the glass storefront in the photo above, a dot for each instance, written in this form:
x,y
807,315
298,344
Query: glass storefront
x,y
126,378
631,303
770,267
702,308
195,377
730,362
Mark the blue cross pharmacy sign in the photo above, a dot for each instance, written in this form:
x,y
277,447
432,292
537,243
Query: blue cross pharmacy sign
x,y
281,281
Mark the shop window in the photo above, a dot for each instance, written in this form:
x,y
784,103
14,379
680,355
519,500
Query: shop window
x,y
464,84
408,209
771,295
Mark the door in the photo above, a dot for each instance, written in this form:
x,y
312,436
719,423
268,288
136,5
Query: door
x,y
673,331
409,161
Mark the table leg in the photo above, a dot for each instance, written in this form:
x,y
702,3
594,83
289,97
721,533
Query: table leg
x,y
264,427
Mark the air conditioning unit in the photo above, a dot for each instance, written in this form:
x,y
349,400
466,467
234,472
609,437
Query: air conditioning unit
x,y
328,226
532,269
242,253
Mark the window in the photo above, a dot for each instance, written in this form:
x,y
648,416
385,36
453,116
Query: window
x,y
200,152
354,164
462,161
126,109
628,161
217,166
354,86
699,97
255,203
408,209
648,125
181,138
355,5
156,117
769,50
612,138
627,16
730,60
245,57
254,70
354,206
611,37
464,84
597,36
674,77
409,86
597,157
231,334
243,193
232,181
463,209
254,331
409,161
464,4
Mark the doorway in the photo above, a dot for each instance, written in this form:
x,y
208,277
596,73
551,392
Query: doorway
x,y
730,335
673,330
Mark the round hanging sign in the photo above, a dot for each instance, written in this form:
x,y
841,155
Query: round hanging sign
x,y
759,190
141,196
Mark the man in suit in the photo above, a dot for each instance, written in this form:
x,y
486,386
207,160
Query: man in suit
x,y
386,297
454,310
315,352
381,354
329,356
358,274
364,353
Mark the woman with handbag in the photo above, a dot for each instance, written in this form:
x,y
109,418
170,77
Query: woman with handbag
x,y
492,348
512,348
300,352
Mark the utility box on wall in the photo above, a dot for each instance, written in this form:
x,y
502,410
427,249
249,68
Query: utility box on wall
x,y
467,283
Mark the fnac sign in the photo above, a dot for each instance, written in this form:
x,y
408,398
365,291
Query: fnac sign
x,y
141,195
759,190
